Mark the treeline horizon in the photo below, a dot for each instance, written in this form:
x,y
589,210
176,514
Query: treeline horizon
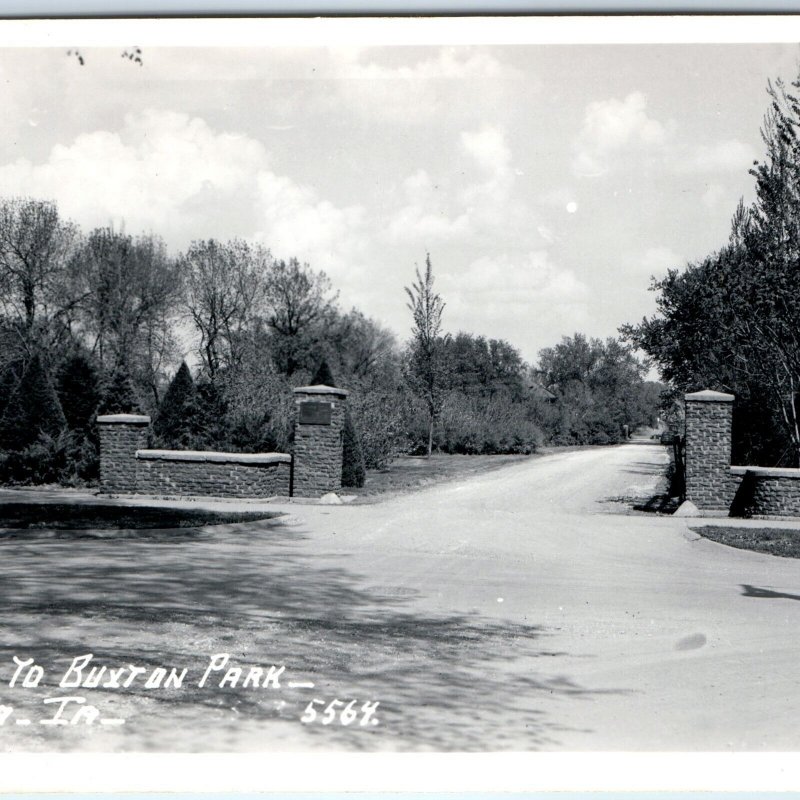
x,y
92,323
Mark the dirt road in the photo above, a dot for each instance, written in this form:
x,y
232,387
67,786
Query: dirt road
x,y
518,610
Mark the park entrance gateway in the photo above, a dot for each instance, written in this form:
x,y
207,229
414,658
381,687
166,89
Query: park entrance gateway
x,y
128,466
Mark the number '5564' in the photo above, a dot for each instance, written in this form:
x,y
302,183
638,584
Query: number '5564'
x,y
340,711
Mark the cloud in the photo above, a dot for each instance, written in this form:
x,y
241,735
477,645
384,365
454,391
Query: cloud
x,y
522,297
729,155
488,147
612,126
484,206
445,82
172,173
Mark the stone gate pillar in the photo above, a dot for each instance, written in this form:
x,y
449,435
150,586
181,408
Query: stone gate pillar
x,y
318,436
709,483
121,435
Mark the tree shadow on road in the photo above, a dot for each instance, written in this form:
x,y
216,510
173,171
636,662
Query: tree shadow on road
x,y
444,681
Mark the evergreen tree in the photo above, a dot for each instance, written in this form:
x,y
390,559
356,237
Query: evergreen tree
x,y
353,471
323,376
119,396
78,391
209,418
9,380
173,425
32,409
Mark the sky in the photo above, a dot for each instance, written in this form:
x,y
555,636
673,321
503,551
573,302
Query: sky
x,y
547,182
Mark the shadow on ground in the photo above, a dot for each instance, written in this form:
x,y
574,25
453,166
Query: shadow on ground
x,y
449,682
766,594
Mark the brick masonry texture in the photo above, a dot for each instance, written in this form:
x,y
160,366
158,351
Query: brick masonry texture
x,y
318,448
317,460
712,485
118,445
203,478
775,496
709,483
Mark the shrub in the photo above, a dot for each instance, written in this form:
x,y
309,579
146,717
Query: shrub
x,y
353,471
488,426
379,419
68,458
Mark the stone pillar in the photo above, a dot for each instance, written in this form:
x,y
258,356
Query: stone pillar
x,y
121,435
318,436
709,483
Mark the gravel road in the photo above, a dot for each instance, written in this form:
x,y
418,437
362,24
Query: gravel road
x,y
524,609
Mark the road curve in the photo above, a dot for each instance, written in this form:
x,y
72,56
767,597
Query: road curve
x,y
655,629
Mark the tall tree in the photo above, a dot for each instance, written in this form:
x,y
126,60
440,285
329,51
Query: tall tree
x,y
299,302
426,368
224,289
732,321
35,247
131,291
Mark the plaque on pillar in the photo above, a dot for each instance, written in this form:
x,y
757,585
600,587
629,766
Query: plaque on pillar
x,y
315,413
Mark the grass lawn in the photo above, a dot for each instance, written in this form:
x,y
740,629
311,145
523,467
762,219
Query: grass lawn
x,y
783,542
88,517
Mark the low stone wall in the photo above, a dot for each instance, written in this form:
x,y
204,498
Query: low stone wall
x,y
196,473
766,492
127,467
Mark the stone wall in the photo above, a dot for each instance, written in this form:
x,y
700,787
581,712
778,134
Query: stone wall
x,y
128,467
121,435
709,484
318,440
767,492
193,473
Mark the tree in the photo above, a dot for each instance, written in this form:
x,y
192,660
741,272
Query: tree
x,y
299,303
426,368
732,321
130,288
33,409
323,376
173,424
599,388
78,391
35,247
119,395
224,289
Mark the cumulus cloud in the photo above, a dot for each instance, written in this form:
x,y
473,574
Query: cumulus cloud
x,y
444,79
449,209
611,126
172,173
488,147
